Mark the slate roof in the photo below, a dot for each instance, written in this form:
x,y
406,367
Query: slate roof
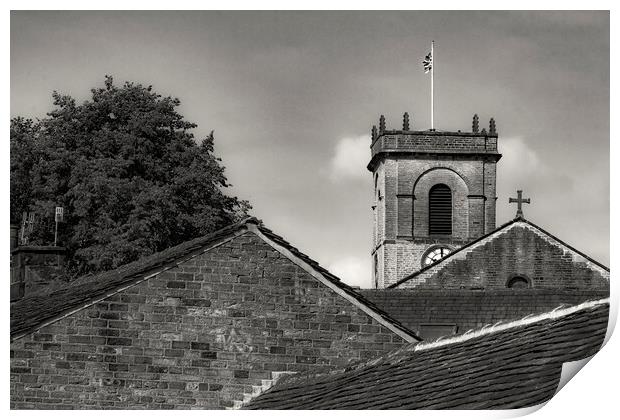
x,y
422,310
489,235
511,365
31,313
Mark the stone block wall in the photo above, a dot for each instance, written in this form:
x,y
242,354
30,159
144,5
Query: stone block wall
x,y
519,251
473,186
36,270
400,258
409,164
201,335
490,196
422,141
460,205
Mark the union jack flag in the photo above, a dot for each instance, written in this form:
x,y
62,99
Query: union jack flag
x,y
428,62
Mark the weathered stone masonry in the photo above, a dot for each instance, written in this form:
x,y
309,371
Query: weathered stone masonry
x,y
519,248
406,164
201,335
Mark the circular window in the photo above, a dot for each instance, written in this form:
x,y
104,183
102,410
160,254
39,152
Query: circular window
x,y
435,254
518,282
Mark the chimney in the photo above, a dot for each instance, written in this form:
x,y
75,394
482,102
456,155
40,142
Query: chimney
x,y
14,234
34,268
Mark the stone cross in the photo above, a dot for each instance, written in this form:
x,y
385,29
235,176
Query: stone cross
x,y
519,200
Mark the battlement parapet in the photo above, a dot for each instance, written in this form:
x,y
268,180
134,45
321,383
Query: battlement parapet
x,y
433,142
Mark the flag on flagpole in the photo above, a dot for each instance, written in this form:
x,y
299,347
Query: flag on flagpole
x,y
428,62
429,66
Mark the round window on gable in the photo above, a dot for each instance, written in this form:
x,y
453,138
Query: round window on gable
x,y
518,282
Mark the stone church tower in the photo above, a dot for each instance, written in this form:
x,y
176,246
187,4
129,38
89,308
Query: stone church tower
x,y
434,191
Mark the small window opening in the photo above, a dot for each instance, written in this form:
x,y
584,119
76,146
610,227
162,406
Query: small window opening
x,y
518,282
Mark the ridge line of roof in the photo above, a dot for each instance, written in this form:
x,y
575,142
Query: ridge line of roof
x,y
408,349
359,300
476,241
133,279
587,257
558,312
154,264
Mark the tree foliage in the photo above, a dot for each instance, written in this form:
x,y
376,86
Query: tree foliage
x,y
127,170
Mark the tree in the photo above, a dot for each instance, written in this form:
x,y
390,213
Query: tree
x,y
127,170
23,155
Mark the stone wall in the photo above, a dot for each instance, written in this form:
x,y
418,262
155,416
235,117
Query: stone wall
x,y
460,204
472,182
421,141
409,164
402,218
37,270
202,335
518,251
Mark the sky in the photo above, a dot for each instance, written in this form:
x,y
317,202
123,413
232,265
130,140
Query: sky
x,y
292,96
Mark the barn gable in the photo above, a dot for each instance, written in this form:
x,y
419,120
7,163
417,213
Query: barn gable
x,y
519,252
199,325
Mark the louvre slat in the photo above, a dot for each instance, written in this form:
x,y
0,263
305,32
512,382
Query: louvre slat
x,y
440,210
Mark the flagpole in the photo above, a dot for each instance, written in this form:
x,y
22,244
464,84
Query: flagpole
x,y
432,85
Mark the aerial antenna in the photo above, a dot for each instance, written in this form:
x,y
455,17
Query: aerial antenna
x,y
27,227
58,217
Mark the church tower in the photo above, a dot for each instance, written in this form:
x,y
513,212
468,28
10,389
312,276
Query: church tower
x,y
434,191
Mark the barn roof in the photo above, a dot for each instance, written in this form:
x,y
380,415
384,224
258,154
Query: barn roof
x,y
33,312
510,365
489,237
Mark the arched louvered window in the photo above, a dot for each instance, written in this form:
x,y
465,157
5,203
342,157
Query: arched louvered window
x,y
440,210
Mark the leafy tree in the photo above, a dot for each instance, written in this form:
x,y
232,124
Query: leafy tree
x,y
128,171
23,155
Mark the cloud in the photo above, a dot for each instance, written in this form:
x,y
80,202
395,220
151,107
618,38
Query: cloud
x,y
350,159
354,271
520,168
518,157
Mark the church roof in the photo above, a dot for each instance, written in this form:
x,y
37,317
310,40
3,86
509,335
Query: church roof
x,y
510,365
432,312
34,312
461,253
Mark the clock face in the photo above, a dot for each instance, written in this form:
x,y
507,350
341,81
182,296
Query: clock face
x,y
436,254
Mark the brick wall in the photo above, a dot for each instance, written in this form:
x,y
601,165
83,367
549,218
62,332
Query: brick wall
x,y
490,193
460,205
201,335
409,164
434,141
403,257
517,251
470,309
403,220
472,183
